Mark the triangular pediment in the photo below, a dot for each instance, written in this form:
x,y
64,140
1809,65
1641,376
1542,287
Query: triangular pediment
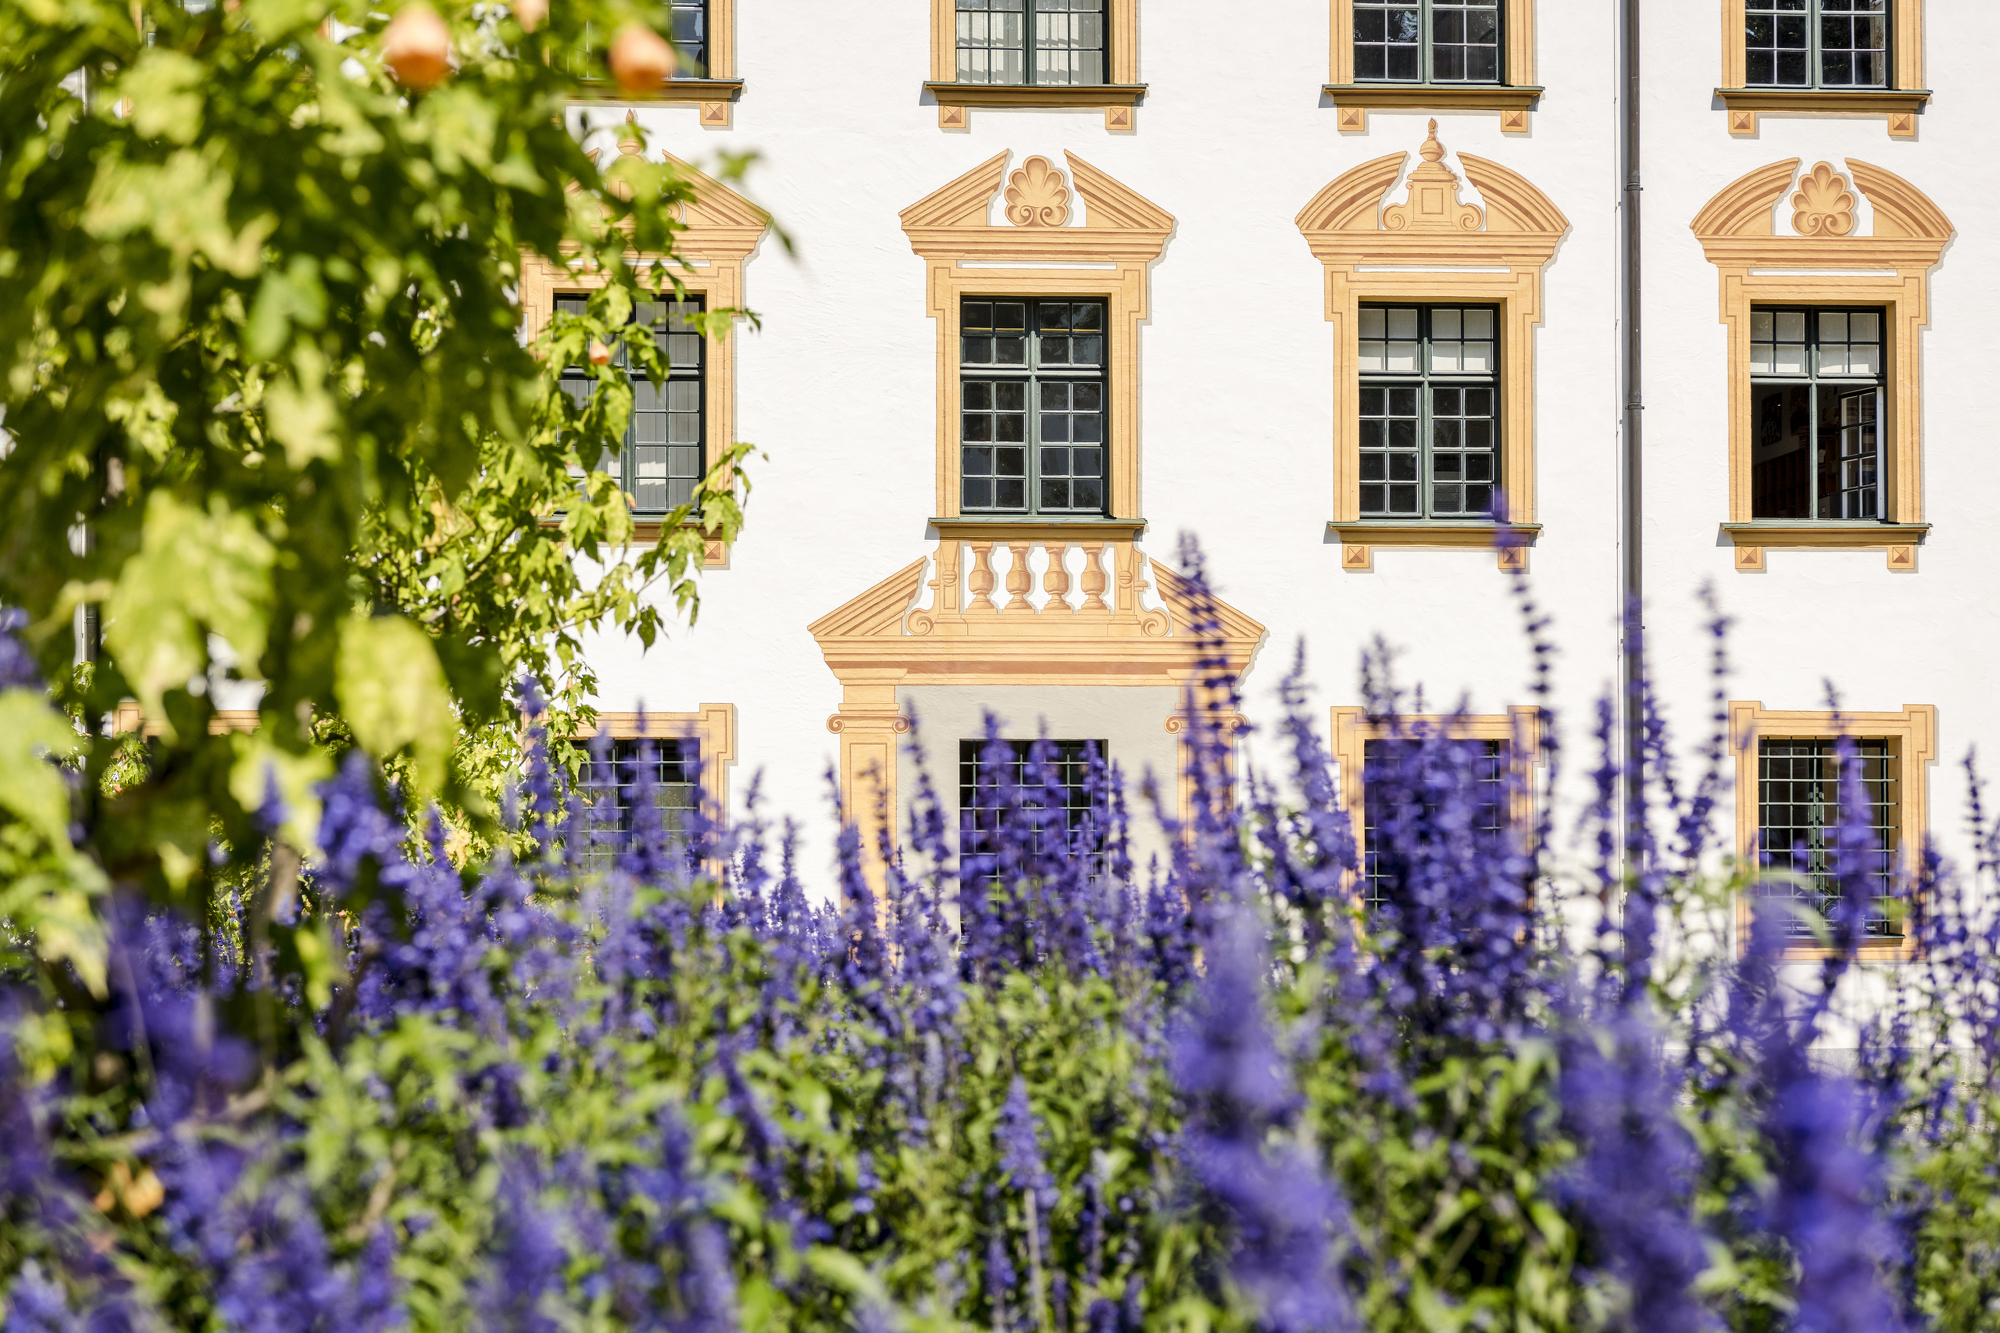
x,y
1037,214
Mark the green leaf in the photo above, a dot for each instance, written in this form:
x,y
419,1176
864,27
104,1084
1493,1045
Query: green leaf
x,y
31,787
300,412
259,763
392,692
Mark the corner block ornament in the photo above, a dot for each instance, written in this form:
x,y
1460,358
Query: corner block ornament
x,y
1433,204
1037,195
1823,205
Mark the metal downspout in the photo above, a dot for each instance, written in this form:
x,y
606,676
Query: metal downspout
x,y
1631,534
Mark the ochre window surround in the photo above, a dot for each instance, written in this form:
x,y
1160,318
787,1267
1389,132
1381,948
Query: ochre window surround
x,y
722,230
1433,249
1035,254
711,726
1512,97
1520,727
1912,735
1898,105
714,94
1119,96
1827,264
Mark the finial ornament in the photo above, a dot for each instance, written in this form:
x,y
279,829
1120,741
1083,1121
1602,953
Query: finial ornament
x,y
1037,195
1823,205
1433,204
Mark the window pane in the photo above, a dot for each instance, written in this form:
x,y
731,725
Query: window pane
x,y
1798,797
992,41
1776,42
1031,406
1429,444
1050,782
689,19
1068,41
1386,39
1465,41
609,787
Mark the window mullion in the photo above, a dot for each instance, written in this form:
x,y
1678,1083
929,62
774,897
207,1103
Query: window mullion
x,y
1033,434
1814,59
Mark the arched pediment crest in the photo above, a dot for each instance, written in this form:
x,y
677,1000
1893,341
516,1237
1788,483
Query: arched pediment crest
x,y
1037,202
1353,218
1741,219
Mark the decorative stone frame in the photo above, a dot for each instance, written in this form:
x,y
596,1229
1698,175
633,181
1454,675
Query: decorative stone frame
x,y
722,230
1897,105
1521,727
1913,731
1038,255
1352,101
1826,264
712,726
714,95
1119,98
1435,249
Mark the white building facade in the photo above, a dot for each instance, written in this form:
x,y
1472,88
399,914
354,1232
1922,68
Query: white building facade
x,y
1317,281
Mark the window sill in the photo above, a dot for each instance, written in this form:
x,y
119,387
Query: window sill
x,y
646,532
1898,540
1899,105
1010,527
713,96
1088,95
1359,536
1355,100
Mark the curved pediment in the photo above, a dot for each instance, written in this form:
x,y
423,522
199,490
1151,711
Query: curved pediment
x,y
1823,208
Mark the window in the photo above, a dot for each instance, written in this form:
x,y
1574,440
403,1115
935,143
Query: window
x,y
1429,399
1031,406
664,457
1427,41
1816,396
1489,760
1798,804
1063,774
690,29
1044,42
610,791
1816,43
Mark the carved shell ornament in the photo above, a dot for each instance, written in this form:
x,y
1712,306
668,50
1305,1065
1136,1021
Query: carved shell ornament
x,y
1823,205
1037,195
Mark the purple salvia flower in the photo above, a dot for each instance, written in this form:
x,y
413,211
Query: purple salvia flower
x,y
17,666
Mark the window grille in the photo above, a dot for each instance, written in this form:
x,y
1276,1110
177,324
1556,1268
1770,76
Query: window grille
x,y
1489,775
1427,41
1429,398
1798,806
1031,407
1081,825
1816,380
664,456
1816,43
676,779
1053,42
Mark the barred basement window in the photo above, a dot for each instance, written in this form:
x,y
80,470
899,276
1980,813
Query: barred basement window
x,y
1429,408
1816,43
1031,389
1047,42
1816,391
1489,760
1080,825
1426,41
1798,806
610,791
664,456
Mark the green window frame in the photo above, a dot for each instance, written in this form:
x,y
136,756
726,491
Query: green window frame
x,y
1430,410
1430,41
1032,406
665,453
1057,43
1817,44
1798,807
1817,386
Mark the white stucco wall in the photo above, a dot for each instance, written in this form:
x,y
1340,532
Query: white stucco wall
x,y
1237,372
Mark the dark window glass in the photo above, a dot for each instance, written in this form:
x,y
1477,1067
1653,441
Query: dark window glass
x,y
690,29
609,791
1062,785
1816,43
664,456
1055,42
1816,403
1489,760
1430,444
1798,803
1031,407
1427,41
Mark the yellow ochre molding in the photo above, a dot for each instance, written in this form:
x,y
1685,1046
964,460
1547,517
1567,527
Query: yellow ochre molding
x,y
1898,105
1117,95
1512,98
1433,248
1912,733
711,726
1123,233
1828,264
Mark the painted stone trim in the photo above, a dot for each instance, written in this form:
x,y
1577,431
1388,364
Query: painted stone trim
x,y
1913,730
712,726
1513,99
714,95
1116,95
1833,266
1123,233
1898,105
1433,248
